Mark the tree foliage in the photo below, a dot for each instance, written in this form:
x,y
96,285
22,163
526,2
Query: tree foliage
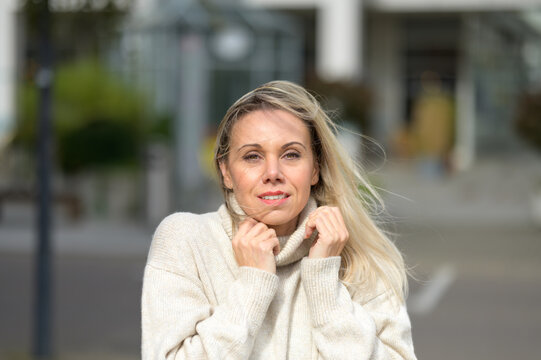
x,y
97,119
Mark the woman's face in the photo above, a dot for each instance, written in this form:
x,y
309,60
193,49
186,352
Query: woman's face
x,y
271,167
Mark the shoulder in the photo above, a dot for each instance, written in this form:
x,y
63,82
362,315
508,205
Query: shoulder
x,y
379,296
176,238
183,223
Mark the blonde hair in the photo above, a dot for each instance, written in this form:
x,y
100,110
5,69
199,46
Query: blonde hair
x,y
369,256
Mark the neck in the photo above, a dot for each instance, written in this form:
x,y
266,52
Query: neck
x,y
285,229
293,245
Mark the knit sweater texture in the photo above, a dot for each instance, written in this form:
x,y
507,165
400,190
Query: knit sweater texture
x,y
197,303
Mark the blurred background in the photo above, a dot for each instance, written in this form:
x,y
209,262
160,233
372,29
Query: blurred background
x,y
133,91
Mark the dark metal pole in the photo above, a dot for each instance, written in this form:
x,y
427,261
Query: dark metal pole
x,y
42,329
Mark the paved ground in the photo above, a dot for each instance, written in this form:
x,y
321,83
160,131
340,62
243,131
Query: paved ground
x,y
473,249
96,306
477,227
491,308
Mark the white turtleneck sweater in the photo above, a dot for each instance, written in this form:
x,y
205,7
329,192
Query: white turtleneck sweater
x,y
197,303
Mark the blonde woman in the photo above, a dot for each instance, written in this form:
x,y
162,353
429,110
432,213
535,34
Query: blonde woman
x,y
291,266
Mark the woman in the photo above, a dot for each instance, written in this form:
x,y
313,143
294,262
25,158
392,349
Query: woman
x,y
291,266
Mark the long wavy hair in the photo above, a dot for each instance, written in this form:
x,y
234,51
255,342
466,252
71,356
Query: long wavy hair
x,y
369,257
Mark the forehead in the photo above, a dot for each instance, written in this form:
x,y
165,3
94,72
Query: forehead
x,y
269,126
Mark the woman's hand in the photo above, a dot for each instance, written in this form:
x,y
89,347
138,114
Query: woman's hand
x,y
332,232
255,245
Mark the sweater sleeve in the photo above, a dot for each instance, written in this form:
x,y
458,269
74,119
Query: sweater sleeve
x,y
178,322
345,329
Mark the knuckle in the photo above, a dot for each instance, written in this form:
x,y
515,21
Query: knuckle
x,y
324,240
260,226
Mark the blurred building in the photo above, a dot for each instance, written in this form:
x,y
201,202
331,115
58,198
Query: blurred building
x,y
7,69
485,52
194,59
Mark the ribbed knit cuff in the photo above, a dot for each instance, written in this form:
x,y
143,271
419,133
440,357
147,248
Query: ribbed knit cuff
x,y
259,289
321,284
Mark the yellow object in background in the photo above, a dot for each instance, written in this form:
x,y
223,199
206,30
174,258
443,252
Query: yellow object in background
x,y
206,156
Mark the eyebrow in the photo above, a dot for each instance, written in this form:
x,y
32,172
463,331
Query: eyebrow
x,y
283,146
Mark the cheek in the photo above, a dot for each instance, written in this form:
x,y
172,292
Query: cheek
x,y
303,179
244,179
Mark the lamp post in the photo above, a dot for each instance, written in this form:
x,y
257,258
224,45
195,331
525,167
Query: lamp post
x,y
42,311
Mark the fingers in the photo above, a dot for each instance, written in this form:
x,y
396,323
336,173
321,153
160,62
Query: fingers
x,y
252,231
326,218
268,244
276,249
269,241
338,224
322,220
249,229
332,231
311,225
260,229
309,228
246,225
255,245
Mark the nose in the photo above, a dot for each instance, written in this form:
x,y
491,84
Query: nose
x,y
273,172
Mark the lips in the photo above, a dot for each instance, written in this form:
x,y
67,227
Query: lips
x,y
273,197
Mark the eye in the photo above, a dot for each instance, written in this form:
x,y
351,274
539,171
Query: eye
x,y
292,155
250,157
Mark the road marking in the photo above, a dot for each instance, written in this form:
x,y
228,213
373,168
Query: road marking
x,y
426,299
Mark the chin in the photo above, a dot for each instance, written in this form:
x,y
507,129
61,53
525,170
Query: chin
x,y
276,219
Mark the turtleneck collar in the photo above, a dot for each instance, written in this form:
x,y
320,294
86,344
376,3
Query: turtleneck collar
x,y
292,247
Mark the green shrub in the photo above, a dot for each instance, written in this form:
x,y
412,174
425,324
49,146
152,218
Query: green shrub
x,y
98,121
